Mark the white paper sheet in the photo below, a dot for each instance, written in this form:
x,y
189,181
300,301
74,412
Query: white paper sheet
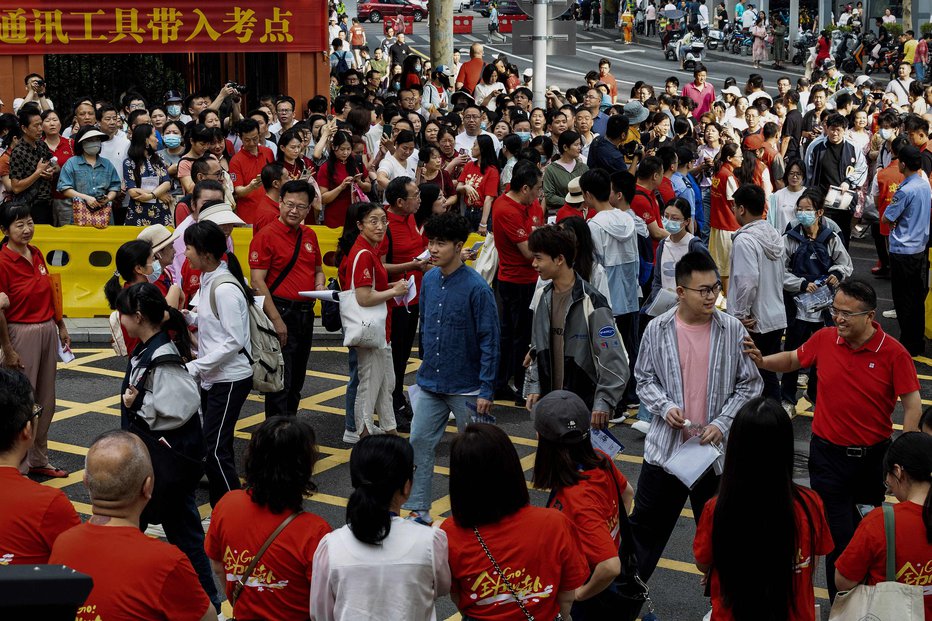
x,y
663,301
606,442
424,256
64,353
691,460
412,291
327,294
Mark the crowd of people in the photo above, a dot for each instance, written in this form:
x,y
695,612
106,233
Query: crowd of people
x,y
680,253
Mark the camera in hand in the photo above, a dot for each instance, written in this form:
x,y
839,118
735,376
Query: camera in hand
x,y
240,88
40,83
633,148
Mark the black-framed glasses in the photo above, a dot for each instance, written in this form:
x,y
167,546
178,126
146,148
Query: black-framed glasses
x,y
708,292
36,413
843,314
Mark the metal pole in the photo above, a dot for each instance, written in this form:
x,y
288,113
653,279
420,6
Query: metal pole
x,y
541,26
793,25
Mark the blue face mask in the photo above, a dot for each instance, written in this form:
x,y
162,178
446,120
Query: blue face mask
x,y
672,226
156,271
606,102
806,218
483,125
171,140
524,136
174,111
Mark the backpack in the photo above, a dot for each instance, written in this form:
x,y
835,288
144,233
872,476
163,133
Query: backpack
x,y
342,66
264,352
645,252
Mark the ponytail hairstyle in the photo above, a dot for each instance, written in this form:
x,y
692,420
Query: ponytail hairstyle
x,y
356,213
512,144
912,452
146,299
129,256
728,151
380,466
207,238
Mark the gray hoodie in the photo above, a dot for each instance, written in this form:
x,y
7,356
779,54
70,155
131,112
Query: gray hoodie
x,y
755,287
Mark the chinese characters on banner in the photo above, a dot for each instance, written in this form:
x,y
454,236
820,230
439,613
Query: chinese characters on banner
x,y
157,26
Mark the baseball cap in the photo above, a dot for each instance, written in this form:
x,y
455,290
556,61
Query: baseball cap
x,y
861,80
562,417
444,70
529,73
574,195
158,235
731,90
220,213
754,142
173,96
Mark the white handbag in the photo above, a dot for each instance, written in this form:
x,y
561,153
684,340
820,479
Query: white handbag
x,y
884,601
487,261
364,326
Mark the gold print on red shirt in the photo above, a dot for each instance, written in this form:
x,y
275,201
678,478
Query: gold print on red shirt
x,y
236,563
489,589
917,575
88,613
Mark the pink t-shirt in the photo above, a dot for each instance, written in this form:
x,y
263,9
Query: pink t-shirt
x,y
693,342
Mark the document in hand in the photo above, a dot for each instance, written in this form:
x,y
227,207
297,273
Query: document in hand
x,y
663,301
691,460
606,442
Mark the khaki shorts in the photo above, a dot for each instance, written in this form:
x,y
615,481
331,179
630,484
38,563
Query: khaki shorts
x,y
720,249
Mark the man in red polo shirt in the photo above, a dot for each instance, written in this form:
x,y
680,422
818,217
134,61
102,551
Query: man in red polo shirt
x,y
284,259
32,516
514,216
471,70
246,170
274,176
864,371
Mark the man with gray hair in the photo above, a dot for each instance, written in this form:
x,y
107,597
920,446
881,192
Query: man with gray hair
x,y
135,577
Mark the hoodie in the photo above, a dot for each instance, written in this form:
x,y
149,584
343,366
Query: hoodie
x,y
755,287
615,245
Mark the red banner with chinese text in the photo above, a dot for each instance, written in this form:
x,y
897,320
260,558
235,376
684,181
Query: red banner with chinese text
x,y
163,26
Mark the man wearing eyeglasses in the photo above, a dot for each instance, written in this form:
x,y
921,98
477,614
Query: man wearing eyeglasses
x,y
864,371
284,259
31,515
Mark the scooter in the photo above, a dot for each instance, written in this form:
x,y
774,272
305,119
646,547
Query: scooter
x,y
859,59
715,38
672,37
849,42
802,47
694,54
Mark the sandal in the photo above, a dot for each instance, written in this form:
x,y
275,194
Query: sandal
x,y
49,471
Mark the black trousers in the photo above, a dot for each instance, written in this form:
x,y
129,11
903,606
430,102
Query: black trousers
x,y
908,281
627,325
404,331
880,243
845,477
515,341
220,407
769,343
299,319
797,333
842,217
658,501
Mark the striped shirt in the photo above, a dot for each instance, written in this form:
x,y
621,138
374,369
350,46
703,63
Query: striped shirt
x,y
733,380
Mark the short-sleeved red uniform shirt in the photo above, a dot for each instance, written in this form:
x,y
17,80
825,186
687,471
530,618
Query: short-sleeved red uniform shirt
x,y
645,206
335,212
866,383
135,577
865,558
272,250
667,193
280,587
593,505
819,544
267,211
569,211
512,223
32,516
538,572
27,285
485,183
244,167
405,243
369,273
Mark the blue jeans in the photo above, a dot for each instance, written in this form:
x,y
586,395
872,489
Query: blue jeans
x,y
431,412
920,71
351,387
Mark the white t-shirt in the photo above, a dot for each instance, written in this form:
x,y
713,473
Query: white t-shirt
x,y
483,90
115,150
672,253
465,141
19,101
783,208
394,169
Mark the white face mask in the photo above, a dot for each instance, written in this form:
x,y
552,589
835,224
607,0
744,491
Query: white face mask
x,y
92,147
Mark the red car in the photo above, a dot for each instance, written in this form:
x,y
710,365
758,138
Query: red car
x,y
377,10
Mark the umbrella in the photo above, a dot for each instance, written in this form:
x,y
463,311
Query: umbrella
x,y
674,14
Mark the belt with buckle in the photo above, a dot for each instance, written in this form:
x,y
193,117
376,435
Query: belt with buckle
x,y
854,451
302,306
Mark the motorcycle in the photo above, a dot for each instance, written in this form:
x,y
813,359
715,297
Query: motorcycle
x,y
715,38
669,43
802,47
693,52
860,58
847,45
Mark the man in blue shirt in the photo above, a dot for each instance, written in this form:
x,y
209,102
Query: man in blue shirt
x,y
605,151
908,215
459,350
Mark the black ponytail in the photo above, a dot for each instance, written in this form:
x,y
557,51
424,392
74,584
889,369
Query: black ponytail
x,y
207,237
912,452
146,299
129,256
237,271
379,466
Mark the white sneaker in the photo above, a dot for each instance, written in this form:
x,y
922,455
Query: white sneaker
x,y
890,314
803,380
618,419
350,437
789,408
642,425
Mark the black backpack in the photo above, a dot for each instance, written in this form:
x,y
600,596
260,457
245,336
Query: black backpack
x,y
342,66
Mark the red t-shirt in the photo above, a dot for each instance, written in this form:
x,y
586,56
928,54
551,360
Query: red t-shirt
x,y
888,180
865,558
182,211
513,223
369,273
335,212
267,211
667,193
470,73
64,151
280,587
32,516
27,285
819,544
592,504
485,183
723,185
135,577
538,572
646,207
865,385
244,167
406,243
569,211
272,250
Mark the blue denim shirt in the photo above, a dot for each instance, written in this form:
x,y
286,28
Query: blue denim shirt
x,y
94,181
459,334
909,213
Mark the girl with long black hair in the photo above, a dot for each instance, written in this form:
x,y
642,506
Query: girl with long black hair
x,y
478,183
336,178
354,564
791,517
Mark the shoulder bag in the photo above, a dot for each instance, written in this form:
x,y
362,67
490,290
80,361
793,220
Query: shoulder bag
x,y
884,600
501,574
287,269
487,261
364,326
241,583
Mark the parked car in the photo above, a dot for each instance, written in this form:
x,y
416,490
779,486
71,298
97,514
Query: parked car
x,y
376,10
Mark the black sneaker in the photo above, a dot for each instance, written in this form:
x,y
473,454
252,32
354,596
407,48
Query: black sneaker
x,y
403,417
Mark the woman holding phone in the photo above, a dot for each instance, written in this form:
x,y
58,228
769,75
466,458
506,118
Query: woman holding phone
x,y
336,178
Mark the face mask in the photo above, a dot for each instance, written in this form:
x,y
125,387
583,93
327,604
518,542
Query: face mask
x,y
543,160
524,136
171,140
806,218
672,226
606,102
483,125
865,92
156,271
174,110
92,148
417,67
887,133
